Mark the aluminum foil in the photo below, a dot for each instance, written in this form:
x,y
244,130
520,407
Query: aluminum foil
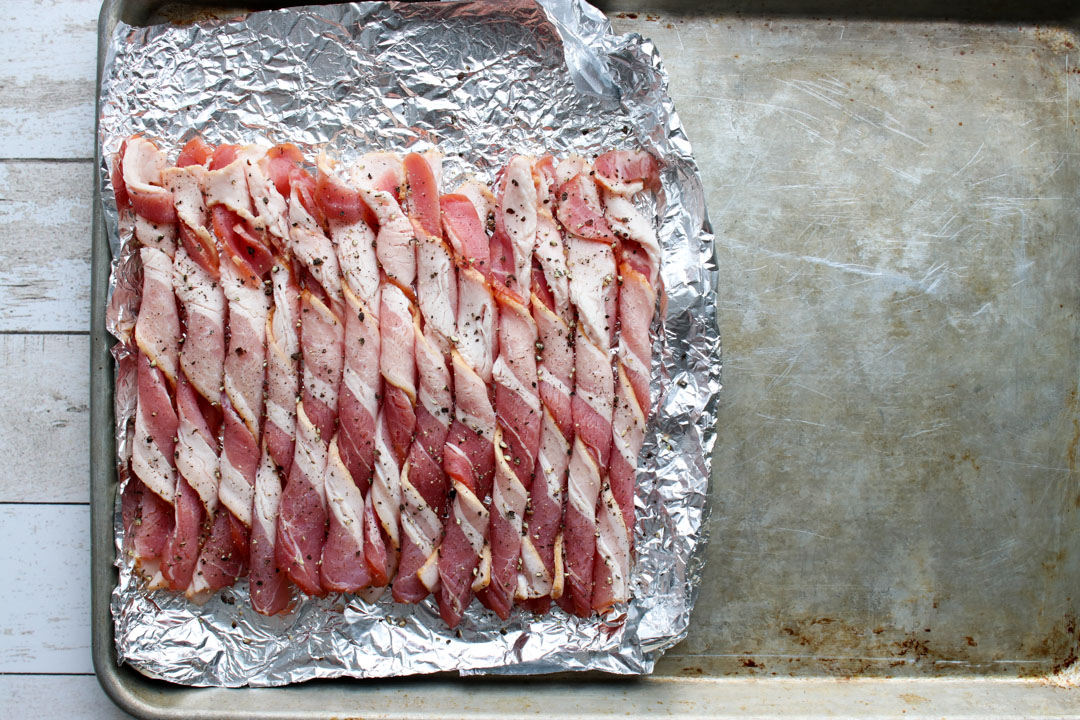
x,y
481,81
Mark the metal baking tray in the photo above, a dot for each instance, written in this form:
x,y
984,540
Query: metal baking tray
x,y
895,189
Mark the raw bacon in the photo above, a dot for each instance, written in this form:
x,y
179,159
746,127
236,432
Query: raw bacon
x,y
350,380
202,357
542,576
282,365
517,399
627,172
639,266
346,559
303,513
423,480
141,196
302,518
378,178
593,291
152,204
244,263
469,455
268,580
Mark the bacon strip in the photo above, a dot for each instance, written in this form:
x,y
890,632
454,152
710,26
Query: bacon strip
x,y
346,558
157,334
202,357
302,519
309,242
244,262
593,291
303,514
469,455
517,439
282,365
269,581
154,216
515,226
542,576
141,196
152,465
268,183
639,276
423,480
269,584
627,172
378,177
517,398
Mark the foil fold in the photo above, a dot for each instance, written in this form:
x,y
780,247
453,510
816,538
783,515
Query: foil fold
x,y
481,81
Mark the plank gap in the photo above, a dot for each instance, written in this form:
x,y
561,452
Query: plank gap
x,y
65,160
47,674
40,502
45,332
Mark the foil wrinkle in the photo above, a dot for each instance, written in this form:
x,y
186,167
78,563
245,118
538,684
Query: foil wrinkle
x,y
481,81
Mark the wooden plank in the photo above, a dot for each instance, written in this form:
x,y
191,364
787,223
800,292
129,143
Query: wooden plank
x,y
56,696
48,52
44,425
45,218
45,563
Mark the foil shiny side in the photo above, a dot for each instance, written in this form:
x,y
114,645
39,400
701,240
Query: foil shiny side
x,y
481,81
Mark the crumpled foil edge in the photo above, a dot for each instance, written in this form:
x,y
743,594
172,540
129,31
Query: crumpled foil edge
x,y
224,642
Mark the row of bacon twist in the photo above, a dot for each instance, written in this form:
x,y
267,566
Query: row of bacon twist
x,y
350,380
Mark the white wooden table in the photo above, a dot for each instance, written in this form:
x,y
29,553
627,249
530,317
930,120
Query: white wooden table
x,y
47,60
47,66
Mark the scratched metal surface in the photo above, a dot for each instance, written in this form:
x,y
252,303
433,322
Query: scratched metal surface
x,y
896,211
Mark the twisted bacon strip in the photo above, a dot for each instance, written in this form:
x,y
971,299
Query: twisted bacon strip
x,y
137,182
268,182
139,194
269,584
541,547
622,174
517,398
345,565
302,520
423,480
378,179
593,290
202,357
469,455
244,263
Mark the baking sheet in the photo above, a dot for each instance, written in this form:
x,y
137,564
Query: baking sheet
x,y
479,81
775,602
